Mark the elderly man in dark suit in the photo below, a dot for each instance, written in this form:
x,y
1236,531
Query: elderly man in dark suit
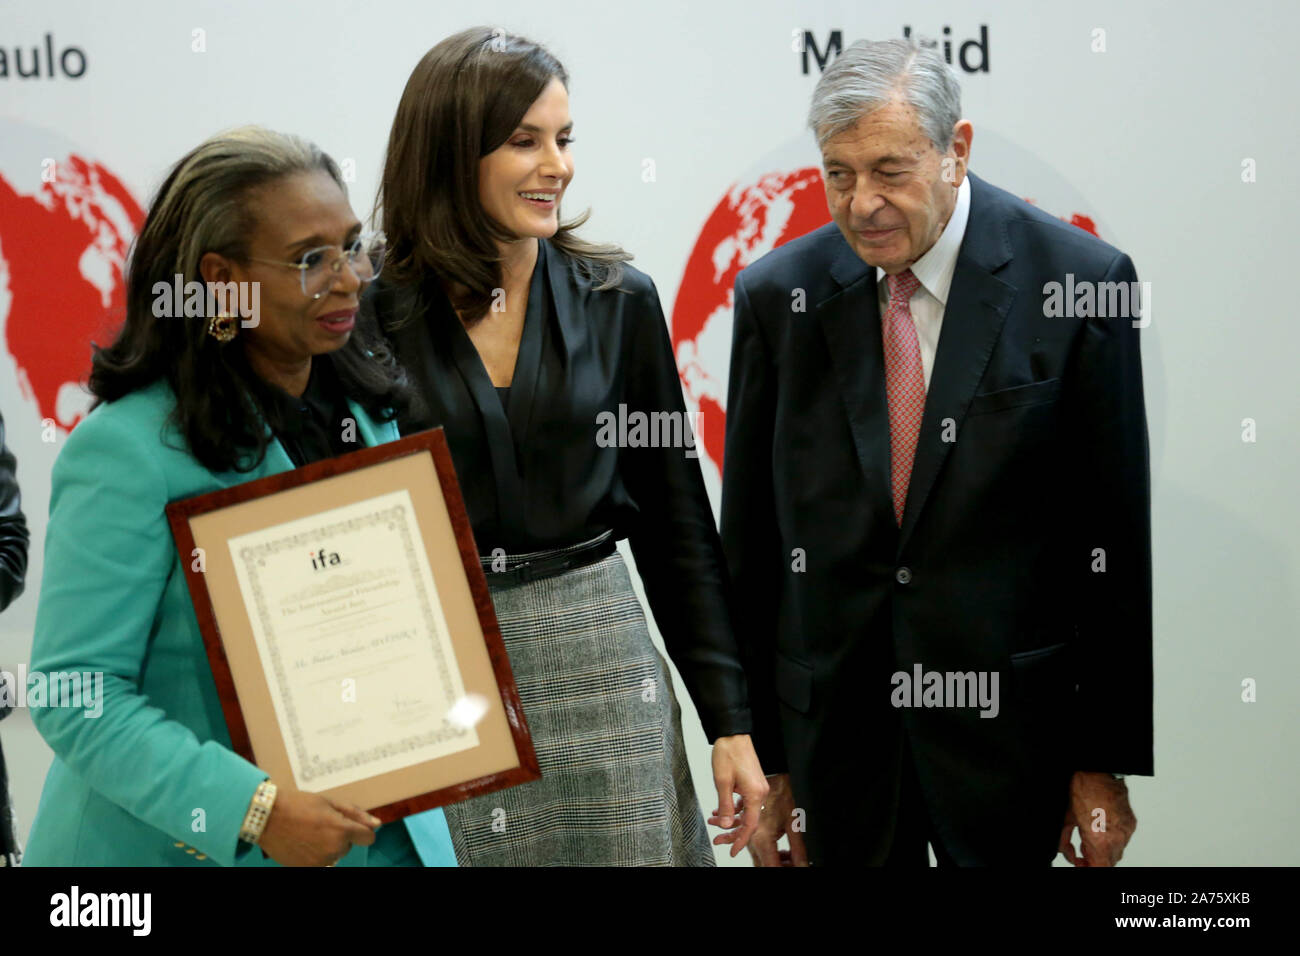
x,y
936,503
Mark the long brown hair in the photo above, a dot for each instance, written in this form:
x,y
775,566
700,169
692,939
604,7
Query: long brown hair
x,y
462,101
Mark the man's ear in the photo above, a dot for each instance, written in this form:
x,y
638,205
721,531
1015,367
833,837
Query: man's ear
x,y
214,267
962,134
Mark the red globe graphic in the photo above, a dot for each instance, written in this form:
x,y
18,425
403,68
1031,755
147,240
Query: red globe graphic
x,y
66,225
752,219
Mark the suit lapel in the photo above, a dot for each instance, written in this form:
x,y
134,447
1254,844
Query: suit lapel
x,y
978,302
850,320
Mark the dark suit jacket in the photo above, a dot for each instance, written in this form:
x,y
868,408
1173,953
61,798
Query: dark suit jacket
x,y
13,527
995,568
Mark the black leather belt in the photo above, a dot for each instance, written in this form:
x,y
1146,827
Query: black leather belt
x,y
550,563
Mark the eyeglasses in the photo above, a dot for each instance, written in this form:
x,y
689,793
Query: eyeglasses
x,y
319,267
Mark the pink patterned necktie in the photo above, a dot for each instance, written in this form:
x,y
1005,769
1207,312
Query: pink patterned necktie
x,y
904,383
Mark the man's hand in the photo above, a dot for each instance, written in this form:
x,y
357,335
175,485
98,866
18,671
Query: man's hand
x,y
775,818
1090,792
736,770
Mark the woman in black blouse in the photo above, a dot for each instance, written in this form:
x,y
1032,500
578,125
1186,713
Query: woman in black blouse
x,y
524,340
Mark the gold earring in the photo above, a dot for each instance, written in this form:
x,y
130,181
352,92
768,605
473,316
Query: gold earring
x,y
223,327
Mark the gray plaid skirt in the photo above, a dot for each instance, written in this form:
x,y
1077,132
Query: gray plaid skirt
x,y
616,789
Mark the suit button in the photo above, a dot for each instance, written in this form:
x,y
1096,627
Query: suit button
x,y
903,575
179,846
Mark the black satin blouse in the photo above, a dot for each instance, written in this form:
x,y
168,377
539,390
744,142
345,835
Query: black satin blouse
x,y
311,427
537,471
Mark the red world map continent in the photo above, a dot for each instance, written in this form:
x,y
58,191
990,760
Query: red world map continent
x,y
63,251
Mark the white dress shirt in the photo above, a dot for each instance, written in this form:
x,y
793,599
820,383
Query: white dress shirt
x,y
934,271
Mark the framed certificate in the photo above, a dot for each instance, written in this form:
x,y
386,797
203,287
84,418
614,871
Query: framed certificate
x,y
350,630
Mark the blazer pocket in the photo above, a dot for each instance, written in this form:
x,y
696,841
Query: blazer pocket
x,y
794,681
1042,677
1035,393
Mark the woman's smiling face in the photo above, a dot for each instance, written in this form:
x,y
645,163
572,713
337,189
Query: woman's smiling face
x,y
521,182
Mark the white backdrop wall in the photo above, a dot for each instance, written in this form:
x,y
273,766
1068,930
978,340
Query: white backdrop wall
x,y
678,106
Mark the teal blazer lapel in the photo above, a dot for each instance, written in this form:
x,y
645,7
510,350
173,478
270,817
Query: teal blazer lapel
x,y
371,432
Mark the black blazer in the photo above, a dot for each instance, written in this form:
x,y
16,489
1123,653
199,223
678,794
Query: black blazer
x,y
993,568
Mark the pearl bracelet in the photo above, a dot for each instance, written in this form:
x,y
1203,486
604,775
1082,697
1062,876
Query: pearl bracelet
x,y
259,811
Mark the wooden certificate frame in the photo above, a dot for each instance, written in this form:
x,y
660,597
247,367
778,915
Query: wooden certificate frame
x,y
282,640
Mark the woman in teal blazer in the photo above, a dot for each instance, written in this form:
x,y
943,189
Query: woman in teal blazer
x,y
187,403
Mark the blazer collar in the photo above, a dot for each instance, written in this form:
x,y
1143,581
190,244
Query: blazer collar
x,y
987,244
372,432
847,267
